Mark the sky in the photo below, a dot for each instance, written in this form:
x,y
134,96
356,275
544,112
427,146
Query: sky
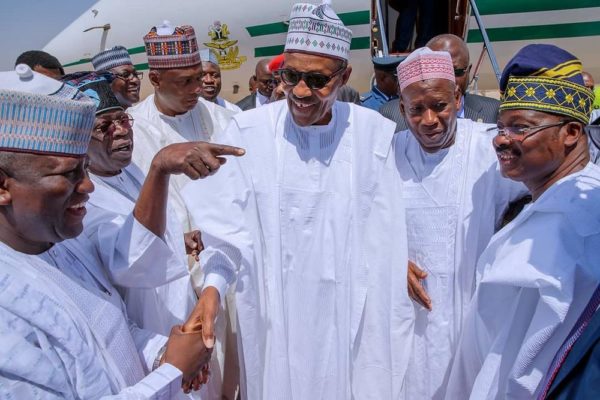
x,y
31,24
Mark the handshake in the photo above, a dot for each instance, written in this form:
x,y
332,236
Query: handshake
x,y
190,345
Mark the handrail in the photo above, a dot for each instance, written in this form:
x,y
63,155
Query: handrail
x,y
383,32
486,41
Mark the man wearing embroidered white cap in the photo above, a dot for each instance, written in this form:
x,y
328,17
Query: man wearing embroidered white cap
x,y
455,198
128,82
64,327
211,80
309,229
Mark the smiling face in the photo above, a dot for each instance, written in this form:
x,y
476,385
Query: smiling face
x,y
536,159
42,200
313,106
127,91
430,108
109,153
211,81
177,90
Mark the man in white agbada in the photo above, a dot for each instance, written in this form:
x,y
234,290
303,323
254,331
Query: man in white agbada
x,y
309,224
455,198
150,268
65,331
211,81
537,280
175,112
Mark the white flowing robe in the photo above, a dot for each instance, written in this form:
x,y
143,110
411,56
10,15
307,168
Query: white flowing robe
x,y
534,279
154,130
65,335
151,273
230,106
455,199
310,223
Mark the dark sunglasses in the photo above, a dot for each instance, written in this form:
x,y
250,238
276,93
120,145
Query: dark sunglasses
x,y
314,80
458,72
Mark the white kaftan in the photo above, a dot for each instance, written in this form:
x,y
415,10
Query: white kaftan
x,y
454,200
533,281
310,223
154,130
151,272
228,105
65,334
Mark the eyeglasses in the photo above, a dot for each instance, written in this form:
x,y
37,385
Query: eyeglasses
x,y
519,134
127,76
314,80
108,127
458,72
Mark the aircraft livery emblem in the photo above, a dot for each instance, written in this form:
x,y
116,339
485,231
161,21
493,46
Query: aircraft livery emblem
x,y
225,49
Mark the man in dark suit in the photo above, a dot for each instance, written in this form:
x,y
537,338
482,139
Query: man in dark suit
x,y
265,83
474,107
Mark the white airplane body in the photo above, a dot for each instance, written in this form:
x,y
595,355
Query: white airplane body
x,y
256,29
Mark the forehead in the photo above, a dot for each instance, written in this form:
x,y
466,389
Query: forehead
x,y
46,163
430,88
207,66
310,62
109,115
457,51
181,73
123,68
507,117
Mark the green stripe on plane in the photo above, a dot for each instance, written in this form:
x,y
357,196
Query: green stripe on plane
x,y
537,32
489,7
349,18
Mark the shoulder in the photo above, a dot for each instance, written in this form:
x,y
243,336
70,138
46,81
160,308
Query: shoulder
x,y
246,101
477,99
576,197
391,107
261,116
141,108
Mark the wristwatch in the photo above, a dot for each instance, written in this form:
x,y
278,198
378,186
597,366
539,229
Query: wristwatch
x,y
159,357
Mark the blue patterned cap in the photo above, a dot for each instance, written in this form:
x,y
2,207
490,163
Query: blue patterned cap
x,y
546,78
95,85
111,58
41,115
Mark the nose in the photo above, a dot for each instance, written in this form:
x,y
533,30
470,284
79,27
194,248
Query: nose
x,y
501,140
429,117
86,185
208,79
301,90
119,130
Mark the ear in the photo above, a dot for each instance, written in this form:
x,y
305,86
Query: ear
x,y
5,197
154,77
401,105
574,131
457,97
346,74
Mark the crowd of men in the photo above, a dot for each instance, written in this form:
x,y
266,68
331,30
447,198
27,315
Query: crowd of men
x,y
427,244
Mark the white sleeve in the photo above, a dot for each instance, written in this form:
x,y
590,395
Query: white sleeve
x,y
162,384
133,255
219,206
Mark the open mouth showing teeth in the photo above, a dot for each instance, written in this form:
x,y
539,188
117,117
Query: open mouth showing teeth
x,y
78,206
506,156
302,105
125,147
